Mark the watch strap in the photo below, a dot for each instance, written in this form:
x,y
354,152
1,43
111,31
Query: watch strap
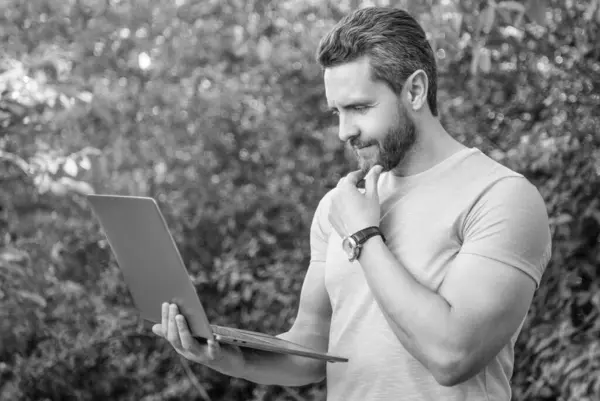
x,y
363,235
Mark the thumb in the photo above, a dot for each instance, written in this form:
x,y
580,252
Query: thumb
x,y
157,329
371,181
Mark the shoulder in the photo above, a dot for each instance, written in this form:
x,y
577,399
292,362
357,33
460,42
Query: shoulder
x,y
483,166
489,184
321,216
511,199
325,202
321,229
509,223
513,194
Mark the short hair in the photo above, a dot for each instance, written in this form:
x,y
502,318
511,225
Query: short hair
x,y
394,42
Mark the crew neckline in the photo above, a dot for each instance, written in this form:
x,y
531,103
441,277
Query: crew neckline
x,y
433,171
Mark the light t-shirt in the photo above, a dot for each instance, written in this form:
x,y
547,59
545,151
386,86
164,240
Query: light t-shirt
x,y
468,203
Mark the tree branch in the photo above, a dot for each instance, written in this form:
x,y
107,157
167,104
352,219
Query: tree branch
x,y
16,160
193,379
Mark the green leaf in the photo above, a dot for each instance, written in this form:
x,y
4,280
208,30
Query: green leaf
x,y
30,296
536,11
11,255
487,18
511,5
85,163
561,219
93,8
42,182
485,62
475,59
80,187
70,167
12,268
58,189
457,21
264,49
589,12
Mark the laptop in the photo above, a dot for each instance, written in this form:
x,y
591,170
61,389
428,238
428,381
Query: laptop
x,y
155,273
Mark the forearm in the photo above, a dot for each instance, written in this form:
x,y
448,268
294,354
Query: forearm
x,y
281,369
420,318
270,368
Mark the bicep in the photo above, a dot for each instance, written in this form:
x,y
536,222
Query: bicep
x,y
489,301
491,281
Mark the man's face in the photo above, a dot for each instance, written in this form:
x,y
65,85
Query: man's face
x,y
372,119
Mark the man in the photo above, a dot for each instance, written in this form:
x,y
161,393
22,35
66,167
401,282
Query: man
x,y
429,306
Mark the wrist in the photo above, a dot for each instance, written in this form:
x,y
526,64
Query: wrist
x,y
371,251
241,371
231,361
372,244
354,243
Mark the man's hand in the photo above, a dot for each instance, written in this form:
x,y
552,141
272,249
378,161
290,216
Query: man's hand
x,y
227,359
351,211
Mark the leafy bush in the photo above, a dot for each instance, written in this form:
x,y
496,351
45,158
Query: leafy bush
x,y
216,110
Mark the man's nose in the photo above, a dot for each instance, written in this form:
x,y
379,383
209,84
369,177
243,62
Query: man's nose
x,y
347,129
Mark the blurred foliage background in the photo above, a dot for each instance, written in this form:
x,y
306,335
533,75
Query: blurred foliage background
x,y
216,108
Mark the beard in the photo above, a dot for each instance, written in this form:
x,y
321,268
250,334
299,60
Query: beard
x,y
397,143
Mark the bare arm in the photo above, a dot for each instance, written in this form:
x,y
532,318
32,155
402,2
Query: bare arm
x,y
311,329
456,330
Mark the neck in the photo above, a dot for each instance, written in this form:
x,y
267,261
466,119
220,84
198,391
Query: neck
x,y
433,145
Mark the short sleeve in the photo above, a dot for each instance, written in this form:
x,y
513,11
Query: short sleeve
x,y
320,230
509,223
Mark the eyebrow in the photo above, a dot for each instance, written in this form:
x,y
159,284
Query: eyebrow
x,y
352,104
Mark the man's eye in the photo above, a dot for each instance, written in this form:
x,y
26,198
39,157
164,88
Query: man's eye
x,y
334,112
360,109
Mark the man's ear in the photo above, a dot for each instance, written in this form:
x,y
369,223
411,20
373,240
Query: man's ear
x,y
417,85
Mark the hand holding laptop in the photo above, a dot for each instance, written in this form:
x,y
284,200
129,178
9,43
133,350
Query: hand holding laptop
x,y
225,358
155,274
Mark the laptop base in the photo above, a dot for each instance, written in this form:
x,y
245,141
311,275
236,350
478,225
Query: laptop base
x,y
266,342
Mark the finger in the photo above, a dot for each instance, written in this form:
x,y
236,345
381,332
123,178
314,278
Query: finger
x,y
157,329
337,225
165,318
371,181
188,342
214,349
172,331
354,177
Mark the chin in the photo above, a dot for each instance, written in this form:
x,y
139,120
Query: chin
x,y
366,165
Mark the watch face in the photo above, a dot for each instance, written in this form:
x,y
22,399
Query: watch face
x,y
349,246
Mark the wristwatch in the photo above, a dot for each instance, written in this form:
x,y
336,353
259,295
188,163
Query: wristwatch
x,y
352,244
